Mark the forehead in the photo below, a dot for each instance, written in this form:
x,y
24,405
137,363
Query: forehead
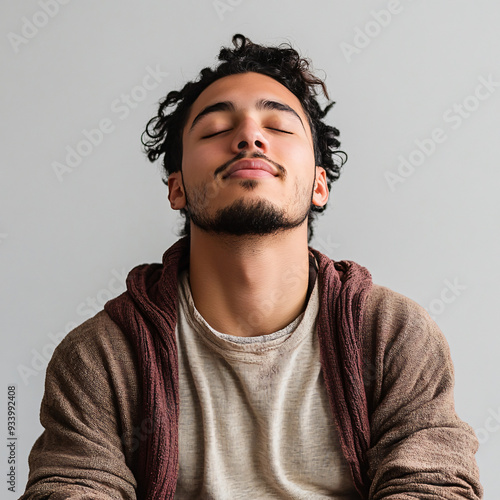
x,y
244,90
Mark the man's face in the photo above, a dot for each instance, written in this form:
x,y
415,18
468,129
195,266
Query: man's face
x,y
248,159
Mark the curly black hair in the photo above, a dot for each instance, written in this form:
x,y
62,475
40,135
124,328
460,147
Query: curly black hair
x,y
163,134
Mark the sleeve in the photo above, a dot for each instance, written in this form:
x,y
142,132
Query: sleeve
x,y
88,412
419,446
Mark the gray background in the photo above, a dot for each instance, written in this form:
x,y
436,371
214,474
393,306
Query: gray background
x,y
68,239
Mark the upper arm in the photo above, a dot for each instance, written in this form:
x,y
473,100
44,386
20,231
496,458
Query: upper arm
x,y
89,415
419,446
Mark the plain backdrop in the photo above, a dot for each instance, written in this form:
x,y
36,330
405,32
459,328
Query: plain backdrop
x,y
417,91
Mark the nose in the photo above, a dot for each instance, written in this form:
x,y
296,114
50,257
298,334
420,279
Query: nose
x,y
249,136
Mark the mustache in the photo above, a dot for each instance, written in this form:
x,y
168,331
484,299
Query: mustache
x,y
243,154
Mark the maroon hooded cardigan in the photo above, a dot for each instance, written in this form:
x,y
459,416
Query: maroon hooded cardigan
x,y
147,314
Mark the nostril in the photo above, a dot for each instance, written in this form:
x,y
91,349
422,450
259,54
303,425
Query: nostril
x,y
258,144
242,144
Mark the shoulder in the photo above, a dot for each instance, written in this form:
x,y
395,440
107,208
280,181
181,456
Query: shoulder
x,y
392,307
393,323
98,335
405,355
96,354
391,312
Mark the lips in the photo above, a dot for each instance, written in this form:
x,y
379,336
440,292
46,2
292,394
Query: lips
x,y
251,167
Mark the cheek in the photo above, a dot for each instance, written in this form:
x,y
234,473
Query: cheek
x,y
197,162
198,167
297,159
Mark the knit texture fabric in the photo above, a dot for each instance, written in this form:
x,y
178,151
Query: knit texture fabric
x,y
343,288
147,313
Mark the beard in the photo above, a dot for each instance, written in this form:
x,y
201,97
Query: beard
x,y
258,217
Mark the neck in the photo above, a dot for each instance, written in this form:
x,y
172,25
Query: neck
x,y
252,285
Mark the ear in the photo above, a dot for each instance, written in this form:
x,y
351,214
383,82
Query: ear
x,y
176,193
320,193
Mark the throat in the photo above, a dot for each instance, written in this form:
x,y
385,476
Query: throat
x,y
251,296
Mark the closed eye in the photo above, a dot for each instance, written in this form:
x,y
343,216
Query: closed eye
x,y
215,133
279,130
227,130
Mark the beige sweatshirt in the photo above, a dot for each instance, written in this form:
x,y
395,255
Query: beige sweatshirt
x,y
254,413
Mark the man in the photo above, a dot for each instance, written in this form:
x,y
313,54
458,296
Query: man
x,y
248,365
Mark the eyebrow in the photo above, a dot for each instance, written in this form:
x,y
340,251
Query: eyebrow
x,y
213,108
279,106
262,104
